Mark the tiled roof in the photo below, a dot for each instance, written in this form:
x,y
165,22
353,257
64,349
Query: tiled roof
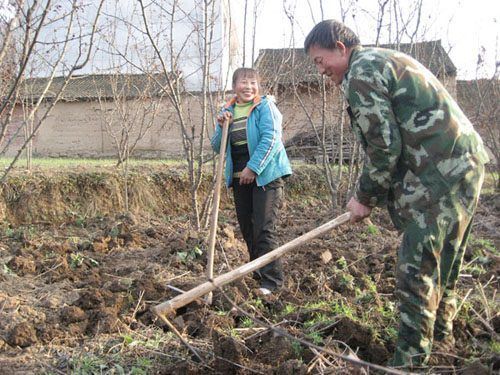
x,y
96,85
275,65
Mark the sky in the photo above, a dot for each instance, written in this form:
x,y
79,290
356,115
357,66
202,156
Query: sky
x,y
465,27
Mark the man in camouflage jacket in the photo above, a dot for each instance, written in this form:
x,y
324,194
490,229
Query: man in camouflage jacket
x,y
423,160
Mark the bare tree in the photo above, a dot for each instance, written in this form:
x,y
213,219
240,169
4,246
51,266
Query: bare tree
x,y
245,13
128,112
380,18
479,98
489,116
256,9
25,52
324,136
170,51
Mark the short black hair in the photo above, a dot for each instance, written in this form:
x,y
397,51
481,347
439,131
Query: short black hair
x,y
327,33
245,73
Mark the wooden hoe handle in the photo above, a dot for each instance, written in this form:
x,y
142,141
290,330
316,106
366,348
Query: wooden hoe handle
x,y
215,202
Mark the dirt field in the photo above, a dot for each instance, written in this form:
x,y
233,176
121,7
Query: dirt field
x,y
75,293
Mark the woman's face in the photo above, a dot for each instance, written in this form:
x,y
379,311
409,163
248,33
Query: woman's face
x,y
246,89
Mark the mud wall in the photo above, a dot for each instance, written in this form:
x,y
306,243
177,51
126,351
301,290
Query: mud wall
x,y
91,129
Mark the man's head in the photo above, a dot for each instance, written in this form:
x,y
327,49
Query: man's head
x,y
246,82
329,45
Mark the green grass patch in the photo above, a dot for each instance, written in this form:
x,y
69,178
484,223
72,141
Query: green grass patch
x,y
490,183
63,163
315,338
495,346
89,364
155,341
289,309
372,230
480,247
339,307
317,318
246,323
324,305
257,303
298,350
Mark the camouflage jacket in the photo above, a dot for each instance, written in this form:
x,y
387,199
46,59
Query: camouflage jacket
x,y
418,143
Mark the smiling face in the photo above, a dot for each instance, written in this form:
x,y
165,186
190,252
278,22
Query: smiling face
x,y
246,88
331,62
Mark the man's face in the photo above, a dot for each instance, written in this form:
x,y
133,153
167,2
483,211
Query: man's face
x,y
331,62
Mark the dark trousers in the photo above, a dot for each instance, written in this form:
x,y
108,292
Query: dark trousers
x,y
257,209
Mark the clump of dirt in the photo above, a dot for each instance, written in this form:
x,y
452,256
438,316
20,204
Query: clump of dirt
x,y
151,290
22,265
201,323
73,314
361,339
272,349
22,335
292,366
104,320
228,353
91,299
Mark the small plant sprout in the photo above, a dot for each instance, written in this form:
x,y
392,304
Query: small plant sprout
x,y
289,309
187,256
297,349
315,337
219,312
341,263
347,280
495,346
7,270
76,260
372,230
339,307
258,303
246,322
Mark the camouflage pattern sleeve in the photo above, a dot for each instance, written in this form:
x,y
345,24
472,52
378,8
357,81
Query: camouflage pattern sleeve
x,y
375,125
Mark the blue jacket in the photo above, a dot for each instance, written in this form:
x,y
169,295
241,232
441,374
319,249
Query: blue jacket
x,y
268,157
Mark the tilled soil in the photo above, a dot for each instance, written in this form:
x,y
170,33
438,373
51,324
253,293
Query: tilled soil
x,y
77,298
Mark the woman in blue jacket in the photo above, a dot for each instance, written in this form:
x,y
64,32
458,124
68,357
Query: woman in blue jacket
x,y
256,163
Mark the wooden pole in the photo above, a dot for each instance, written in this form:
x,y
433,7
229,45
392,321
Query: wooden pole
x,y
202,289
215,206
